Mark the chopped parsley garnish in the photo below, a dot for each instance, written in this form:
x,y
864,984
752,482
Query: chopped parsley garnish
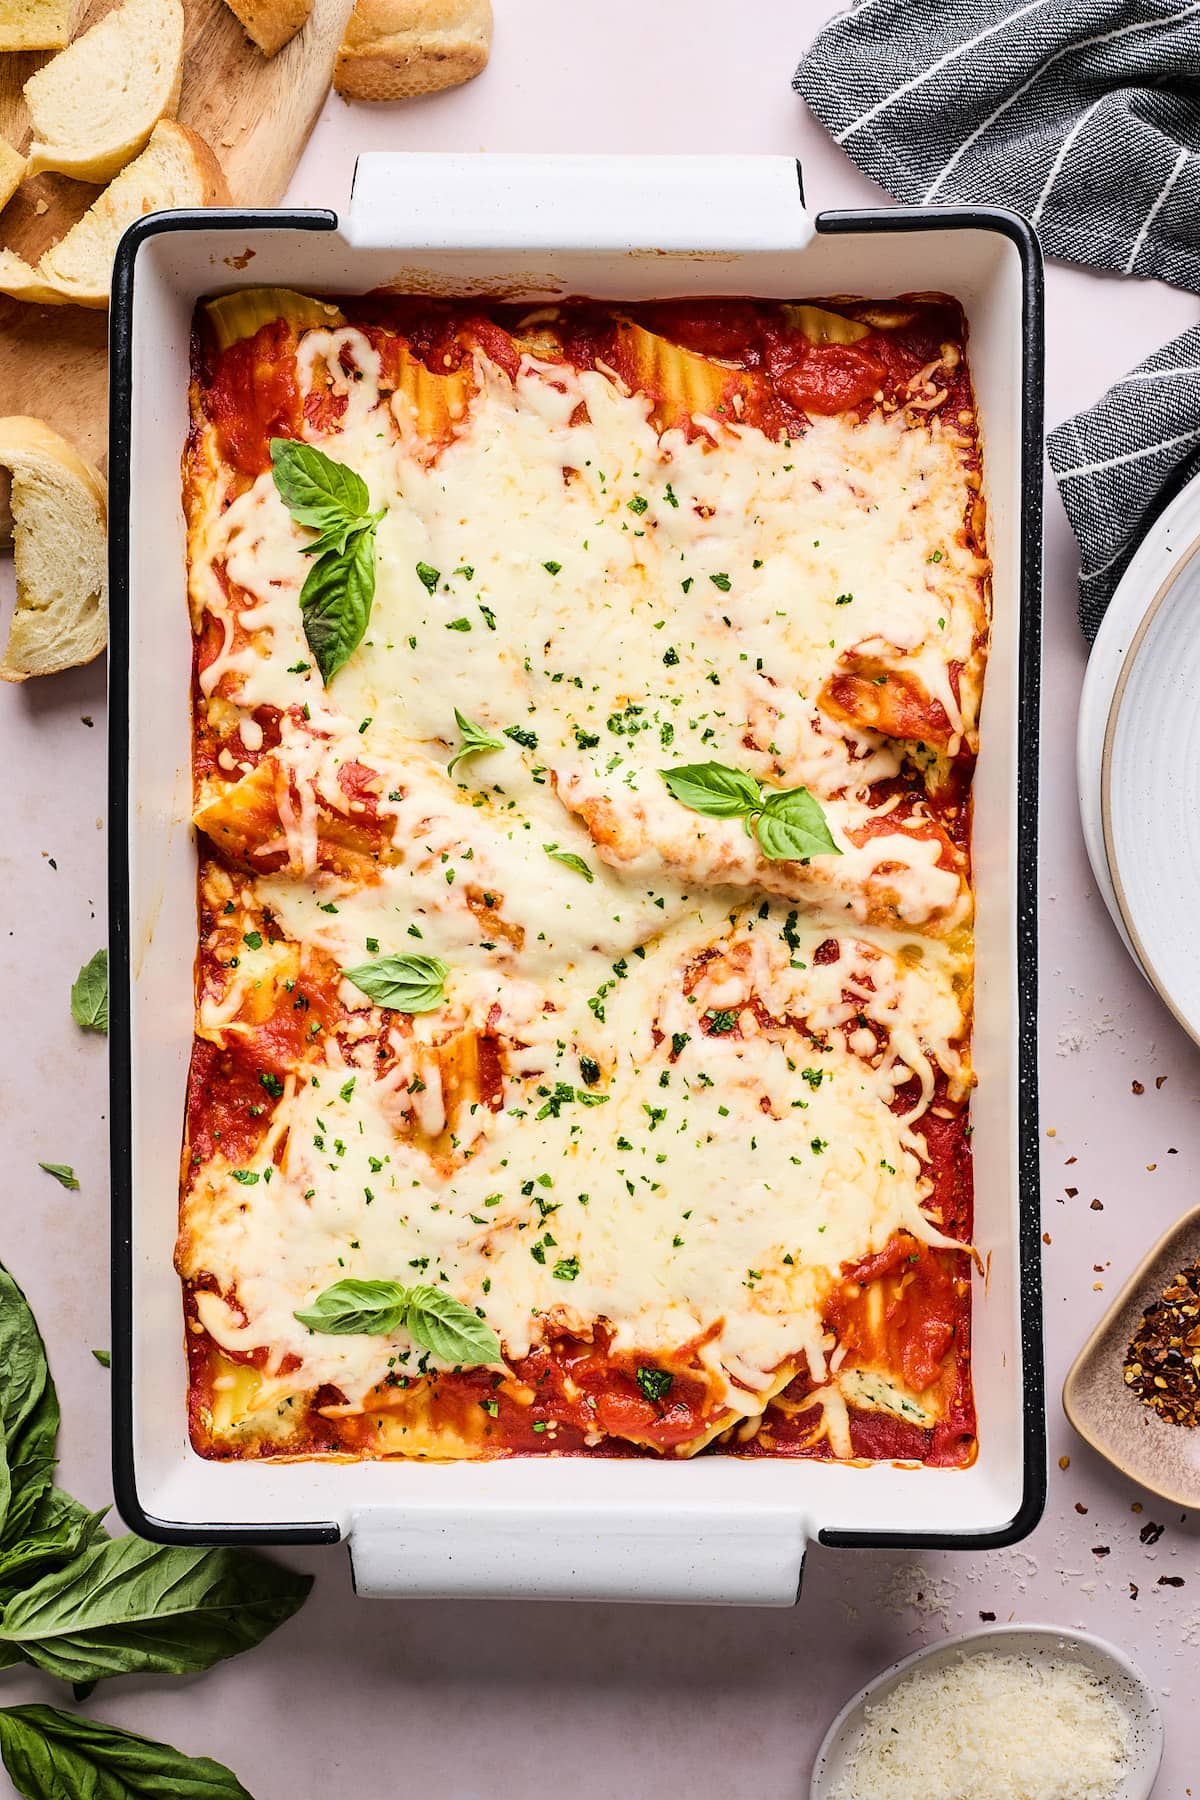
x,y
520,735
428,577
655,1383
271,1083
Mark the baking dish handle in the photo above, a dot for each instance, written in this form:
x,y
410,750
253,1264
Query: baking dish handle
x,y
437,201
526,1553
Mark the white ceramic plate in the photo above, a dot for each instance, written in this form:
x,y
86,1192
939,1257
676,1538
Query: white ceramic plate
x,y
1155,562
1128,1686
1150,790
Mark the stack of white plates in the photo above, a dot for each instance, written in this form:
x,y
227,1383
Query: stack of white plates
x,y
1139,757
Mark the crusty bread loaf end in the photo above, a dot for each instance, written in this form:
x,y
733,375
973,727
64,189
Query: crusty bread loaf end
x,y
399,49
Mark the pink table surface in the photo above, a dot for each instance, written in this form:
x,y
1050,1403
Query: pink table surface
x,y
466,1700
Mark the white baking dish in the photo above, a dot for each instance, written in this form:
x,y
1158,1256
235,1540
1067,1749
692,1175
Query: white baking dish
x,y
715,1529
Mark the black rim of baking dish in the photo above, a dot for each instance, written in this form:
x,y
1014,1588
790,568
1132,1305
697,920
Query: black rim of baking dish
x,y
879,220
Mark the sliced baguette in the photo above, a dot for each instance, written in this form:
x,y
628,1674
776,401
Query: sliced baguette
x,y
22,282
36,24
397,49
270,23
93,108
12,171
60,518
176,169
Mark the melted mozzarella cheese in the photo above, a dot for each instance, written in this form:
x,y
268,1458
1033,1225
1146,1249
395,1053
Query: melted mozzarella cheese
x,y
614,601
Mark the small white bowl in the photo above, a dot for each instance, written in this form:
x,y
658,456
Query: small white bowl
x,y
1126,1683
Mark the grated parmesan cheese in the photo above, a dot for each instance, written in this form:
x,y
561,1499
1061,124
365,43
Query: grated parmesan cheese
x,y
991,1727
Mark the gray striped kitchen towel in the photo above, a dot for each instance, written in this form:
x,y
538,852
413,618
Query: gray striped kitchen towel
x,y
1085,116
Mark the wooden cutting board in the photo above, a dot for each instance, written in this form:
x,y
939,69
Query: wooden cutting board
x,y
254,111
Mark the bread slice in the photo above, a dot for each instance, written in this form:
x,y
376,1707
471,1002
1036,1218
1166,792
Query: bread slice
x,y
22,282
60,519
36,24
176,169
12,171
270,23
396,49
93,108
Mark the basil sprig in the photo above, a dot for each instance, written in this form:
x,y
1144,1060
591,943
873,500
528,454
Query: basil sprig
x,y
50,1754
409,984
333,501
475,740
82,1606
89,994
788,822
126,1606
433,1319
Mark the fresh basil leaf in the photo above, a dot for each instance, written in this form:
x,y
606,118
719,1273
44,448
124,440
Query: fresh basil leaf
x,y
409,984
474,741
357,1308
126,1606
337,535
335,602
713,789
317,491
791,827
53,1755
59,1529
570,860
89,994
28,1412
443,1325
63,1173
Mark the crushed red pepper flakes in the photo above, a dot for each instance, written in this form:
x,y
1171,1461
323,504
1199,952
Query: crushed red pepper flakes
x,y
1162,1364
1097,1205
1137,1087
1150,1532
1170,1581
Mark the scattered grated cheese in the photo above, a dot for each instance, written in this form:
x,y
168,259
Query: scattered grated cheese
x,y
991,1727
